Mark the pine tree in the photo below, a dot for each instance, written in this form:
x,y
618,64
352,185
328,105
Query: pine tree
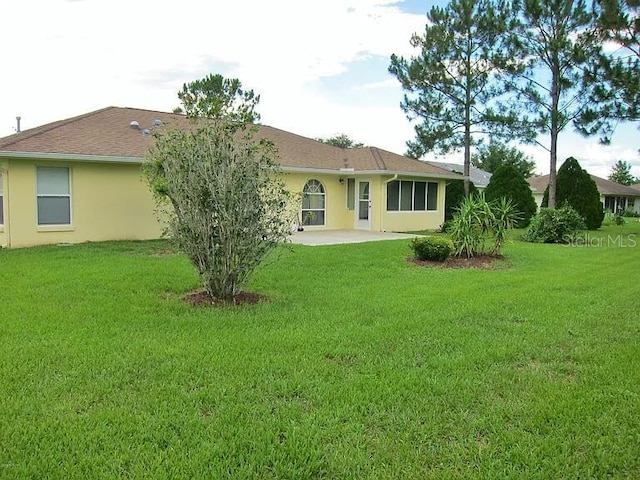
x,y
616,72
546,60
621,173
451,83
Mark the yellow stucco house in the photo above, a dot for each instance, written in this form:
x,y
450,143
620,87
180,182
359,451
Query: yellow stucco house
x,y
79,180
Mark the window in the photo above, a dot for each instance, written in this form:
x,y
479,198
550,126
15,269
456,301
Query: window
x,y
610,203
407,196
616,204
313,202
1,201
432,196
351,193
54,196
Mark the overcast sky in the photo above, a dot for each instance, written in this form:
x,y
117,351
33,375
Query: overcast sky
x,y
320,67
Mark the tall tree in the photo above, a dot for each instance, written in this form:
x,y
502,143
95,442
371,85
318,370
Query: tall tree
x,y
546,60
621,173
616,72
341,140
215,96
451,85
491,156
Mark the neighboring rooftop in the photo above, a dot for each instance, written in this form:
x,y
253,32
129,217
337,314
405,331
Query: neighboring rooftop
x,y
107,134
478,177
605,187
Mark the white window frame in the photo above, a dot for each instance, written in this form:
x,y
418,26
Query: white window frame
x,y
61,195
322,194
413,199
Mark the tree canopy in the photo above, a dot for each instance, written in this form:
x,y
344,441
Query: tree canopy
x,y
621,173
341,140
547,58
215,96
489,157
615,73
450,84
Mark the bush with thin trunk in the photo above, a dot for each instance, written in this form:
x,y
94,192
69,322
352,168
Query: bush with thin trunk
x,y
225,199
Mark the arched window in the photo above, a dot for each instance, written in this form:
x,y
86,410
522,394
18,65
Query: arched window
x,y
313,203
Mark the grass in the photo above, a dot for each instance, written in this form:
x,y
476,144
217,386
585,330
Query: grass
x,y
360,365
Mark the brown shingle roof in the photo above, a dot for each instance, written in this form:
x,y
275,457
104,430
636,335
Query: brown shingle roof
x,y
538,184
106,133
605,187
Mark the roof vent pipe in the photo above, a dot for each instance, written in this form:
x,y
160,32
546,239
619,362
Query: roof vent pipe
x,y
18,124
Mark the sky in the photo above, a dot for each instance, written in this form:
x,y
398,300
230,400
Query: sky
x,y
321,68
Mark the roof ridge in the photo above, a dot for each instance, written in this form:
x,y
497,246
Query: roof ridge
x,y
146,110
378,158
32,132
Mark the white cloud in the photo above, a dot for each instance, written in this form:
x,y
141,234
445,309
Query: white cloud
x,y
68,58
594,157
390,83
63,58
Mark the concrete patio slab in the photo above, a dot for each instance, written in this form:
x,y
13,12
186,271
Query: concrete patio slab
x,y
336,237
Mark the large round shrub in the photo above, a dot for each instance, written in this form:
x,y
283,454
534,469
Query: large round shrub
x,y
508,182
555,225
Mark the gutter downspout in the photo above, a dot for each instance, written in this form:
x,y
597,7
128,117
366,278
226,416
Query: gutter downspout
x,y
395,177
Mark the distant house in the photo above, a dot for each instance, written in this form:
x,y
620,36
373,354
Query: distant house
x,y
79,179
478,177
615,197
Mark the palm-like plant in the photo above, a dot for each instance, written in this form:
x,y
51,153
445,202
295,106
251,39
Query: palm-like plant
x,y
479,227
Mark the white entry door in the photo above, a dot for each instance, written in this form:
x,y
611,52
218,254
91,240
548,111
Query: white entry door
x,y
363,210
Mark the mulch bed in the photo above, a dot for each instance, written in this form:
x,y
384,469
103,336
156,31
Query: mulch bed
x,y
484,262
200,298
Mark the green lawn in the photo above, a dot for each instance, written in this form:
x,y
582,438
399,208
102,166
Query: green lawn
x,y
360,365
